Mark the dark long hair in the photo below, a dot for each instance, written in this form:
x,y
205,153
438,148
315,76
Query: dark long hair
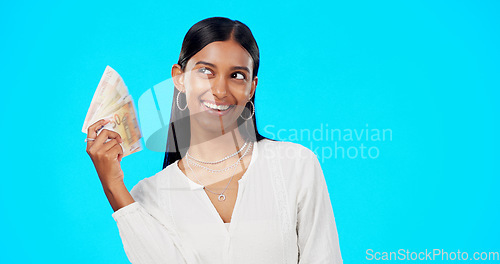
x,y
199,35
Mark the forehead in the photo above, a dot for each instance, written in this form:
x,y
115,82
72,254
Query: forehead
x,y
223,53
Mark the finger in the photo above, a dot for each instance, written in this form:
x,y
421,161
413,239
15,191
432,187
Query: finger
x,y
105,135
121,154
116,151
92,131
108,145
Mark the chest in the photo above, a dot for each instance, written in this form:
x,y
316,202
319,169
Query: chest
x,y
256,234
221,190
223,196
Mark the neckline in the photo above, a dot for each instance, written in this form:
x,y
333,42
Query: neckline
x,y
193,185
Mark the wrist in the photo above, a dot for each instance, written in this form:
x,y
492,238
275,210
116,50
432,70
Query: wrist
x,y
110,186
117,194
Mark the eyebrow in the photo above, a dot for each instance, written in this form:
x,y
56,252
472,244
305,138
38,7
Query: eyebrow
x,y
232,68
240,68
206,63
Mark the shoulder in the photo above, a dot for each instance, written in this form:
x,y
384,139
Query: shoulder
x,y
146,190
299,166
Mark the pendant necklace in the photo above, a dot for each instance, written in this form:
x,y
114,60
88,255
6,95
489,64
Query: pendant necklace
x,y
221,196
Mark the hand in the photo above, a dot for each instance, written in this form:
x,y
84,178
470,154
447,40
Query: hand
x,y
106,156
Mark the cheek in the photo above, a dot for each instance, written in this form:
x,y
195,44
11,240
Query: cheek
x,y
195,87
241,93
198,84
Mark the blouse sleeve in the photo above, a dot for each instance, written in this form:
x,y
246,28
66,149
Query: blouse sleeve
x,y
318,240
144,238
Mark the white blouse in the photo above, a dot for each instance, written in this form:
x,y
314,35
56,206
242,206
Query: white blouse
x,y
282,214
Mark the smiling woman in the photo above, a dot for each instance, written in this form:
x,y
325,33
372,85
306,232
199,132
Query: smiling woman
x,y
226,194
217,84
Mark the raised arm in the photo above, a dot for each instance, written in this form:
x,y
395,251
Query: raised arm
x,y
106,157
146,238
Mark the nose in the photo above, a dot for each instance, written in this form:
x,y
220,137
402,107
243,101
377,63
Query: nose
x,y
220,88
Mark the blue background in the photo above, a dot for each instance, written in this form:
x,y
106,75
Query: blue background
x,y
427,70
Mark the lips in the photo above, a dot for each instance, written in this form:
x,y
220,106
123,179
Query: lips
x,y
216,108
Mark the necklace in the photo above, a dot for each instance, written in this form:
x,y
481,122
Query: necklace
x,y
218,161
221,197
220,170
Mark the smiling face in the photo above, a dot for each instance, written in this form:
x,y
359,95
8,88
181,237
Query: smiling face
x,y
218,83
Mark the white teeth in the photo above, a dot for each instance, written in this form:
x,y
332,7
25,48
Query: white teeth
x,y
216,107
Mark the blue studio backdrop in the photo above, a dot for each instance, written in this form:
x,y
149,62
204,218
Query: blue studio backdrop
x,y
398,99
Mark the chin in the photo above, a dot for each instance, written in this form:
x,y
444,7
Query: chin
x,y
213,123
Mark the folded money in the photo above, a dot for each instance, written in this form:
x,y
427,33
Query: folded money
x,y
112,102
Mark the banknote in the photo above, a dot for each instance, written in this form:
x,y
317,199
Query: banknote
x,y
109,92
112,102
124,122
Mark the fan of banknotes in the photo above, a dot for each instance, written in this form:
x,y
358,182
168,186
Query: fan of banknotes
x,y
112,102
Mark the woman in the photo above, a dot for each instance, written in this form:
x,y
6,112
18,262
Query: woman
x,y
226,194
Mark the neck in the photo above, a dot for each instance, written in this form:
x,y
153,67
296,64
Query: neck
x,y
209,146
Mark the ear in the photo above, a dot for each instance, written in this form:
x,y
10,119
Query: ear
x,y
178,77
254,87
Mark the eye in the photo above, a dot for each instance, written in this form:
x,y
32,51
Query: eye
x,y
238,76
204,70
